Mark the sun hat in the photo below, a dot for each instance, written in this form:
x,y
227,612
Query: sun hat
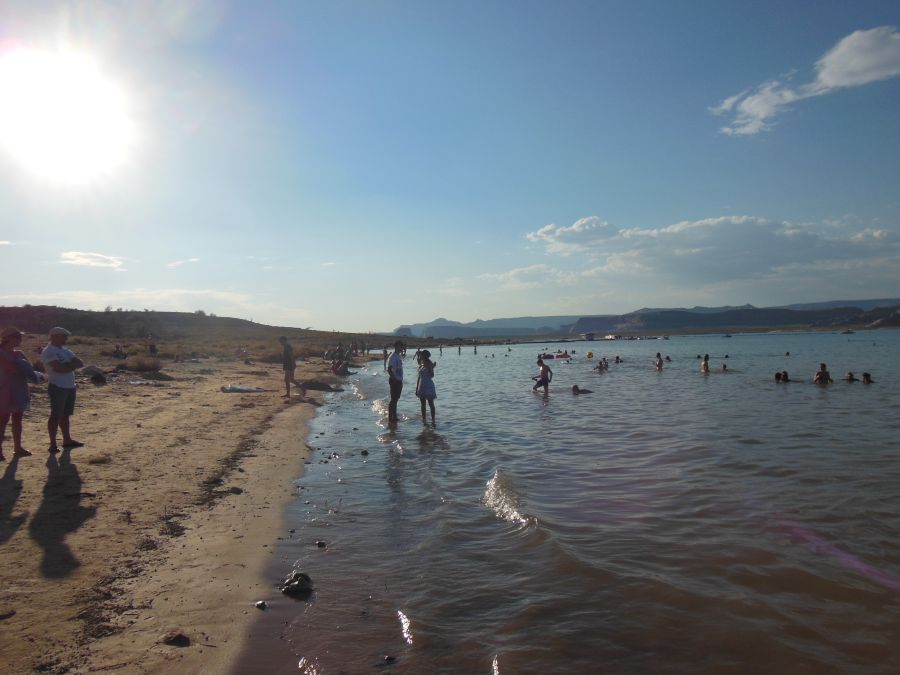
x,y
9,331
57,330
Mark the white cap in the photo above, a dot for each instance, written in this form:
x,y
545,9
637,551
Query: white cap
x,y
57,330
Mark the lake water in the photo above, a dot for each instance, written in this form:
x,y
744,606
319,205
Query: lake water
x,y
666,523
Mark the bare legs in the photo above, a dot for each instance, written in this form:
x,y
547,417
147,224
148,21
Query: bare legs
x,y
16,434
431,405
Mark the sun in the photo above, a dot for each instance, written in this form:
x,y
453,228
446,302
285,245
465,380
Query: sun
x,y
61,118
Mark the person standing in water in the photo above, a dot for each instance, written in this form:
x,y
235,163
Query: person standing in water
x,y
659,362
395,381
544,377
704,367
425,389
823,376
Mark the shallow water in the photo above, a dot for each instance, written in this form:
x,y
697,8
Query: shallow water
x,y
667,522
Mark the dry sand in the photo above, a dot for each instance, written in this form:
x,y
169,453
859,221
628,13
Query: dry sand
x,y
164,521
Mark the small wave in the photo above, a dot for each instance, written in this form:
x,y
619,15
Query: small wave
x,y
501,498
308,666
404,627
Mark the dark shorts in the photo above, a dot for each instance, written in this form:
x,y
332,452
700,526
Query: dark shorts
x,y
396,388
543,382
62,401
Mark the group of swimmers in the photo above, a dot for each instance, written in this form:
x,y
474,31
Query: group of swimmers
x,y
822,376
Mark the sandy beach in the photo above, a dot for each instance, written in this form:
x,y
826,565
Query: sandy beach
x,y
162,523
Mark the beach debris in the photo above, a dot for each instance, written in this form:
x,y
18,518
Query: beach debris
x,y
321,544
261,604
235,490
176,638
241,389
297,585
146,383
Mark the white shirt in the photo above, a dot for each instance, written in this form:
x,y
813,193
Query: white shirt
x,y
62,355
396,363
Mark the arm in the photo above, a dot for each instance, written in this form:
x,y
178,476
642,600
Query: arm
x,y
24,367
71,366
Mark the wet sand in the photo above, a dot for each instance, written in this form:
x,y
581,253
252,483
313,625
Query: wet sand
x,y
164,522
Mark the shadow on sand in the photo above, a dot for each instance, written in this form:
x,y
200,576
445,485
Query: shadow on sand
x,y
10,489
59,514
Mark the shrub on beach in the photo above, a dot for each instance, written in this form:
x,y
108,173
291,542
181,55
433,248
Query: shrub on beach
x,y
141,364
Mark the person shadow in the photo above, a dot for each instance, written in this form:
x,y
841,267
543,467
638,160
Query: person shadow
x,y
10,489
59,514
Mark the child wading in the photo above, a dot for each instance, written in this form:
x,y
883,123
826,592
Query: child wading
x,y
425,384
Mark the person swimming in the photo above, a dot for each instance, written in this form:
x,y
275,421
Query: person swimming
x,y
777,377
867,379
577,390
850,378
784,376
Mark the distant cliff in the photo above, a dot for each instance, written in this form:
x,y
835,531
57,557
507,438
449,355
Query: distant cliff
x,y
822,315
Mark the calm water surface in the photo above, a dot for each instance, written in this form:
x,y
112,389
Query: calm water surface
x,y
667,523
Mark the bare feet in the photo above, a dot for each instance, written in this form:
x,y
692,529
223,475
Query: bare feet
x,y
21,452
72,443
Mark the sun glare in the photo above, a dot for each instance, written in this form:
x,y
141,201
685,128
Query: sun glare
x,y
60,118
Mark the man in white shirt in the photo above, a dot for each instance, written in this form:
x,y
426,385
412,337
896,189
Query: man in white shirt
x,y
395,380
61,365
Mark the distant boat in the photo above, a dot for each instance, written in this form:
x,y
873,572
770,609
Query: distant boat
x,y
727,335
847,332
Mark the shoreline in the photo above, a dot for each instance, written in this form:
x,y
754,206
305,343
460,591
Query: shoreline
x,y
167,525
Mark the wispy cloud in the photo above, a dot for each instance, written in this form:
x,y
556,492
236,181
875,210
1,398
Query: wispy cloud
x,y
179,263
329,264
92,260
860,58
524,278
5,243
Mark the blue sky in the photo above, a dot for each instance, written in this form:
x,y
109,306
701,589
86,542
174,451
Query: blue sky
x,y
359,165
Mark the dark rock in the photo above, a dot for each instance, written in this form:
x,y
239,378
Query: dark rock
x,y
235,490
297,585
261,605
175,638
316,385
321,544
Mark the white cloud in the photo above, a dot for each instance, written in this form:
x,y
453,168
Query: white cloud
x,y
329,264
706,254
5,243
179,263
860,58
870,234
577,237
92,260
